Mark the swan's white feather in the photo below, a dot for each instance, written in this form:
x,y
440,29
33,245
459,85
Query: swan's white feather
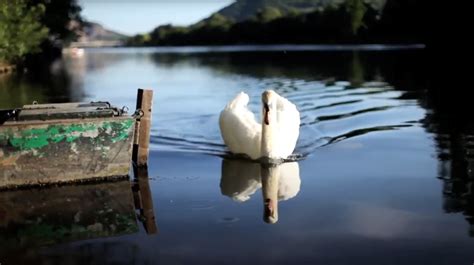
x,y
288,121
242,133
239,128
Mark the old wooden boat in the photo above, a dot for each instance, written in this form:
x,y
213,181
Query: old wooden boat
x,y
67,142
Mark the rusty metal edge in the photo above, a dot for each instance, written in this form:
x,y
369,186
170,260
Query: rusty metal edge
x,y
39,122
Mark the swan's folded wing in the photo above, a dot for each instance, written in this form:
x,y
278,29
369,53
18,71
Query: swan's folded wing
x,y
239,129
289,126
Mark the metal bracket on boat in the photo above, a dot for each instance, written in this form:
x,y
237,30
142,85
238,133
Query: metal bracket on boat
x,y
119,112
116,111
38,106
98,103
6,115
138,114
124,109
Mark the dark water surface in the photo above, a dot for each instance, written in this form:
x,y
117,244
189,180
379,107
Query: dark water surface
x,y
386,176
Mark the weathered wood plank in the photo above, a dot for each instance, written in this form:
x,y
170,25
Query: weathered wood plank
x,y
69,105
48,114
66,111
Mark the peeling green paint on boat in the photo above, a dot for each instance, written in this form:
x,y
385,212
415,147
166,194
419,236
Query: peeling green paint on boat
x,y
36,138
39,137
122,129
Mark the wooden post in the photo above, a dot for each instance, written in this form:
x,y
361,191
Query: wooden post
x,y
142,193
141,149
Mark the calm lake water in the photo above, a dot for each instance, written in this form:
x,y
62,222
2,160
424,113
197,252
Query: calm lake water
x,y
385,177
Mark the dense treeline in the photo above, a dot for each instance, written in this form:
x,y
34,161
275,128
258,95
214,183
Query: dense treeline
x,y
353,21
32,26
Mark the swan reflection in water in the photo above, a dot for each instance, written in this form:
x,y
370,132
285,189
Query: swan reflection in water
x,y
241,179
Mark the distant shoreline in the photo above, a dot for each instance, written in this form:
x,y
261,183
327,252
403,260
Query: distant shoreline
x,y
268,48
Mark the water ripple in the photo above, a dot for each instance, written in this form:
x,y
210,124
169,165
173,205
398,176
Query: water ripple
x,y
330,112
350,114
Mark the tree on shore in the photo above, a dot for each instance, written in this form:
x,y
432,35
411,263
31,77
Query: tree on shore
x,y
21,32
356,10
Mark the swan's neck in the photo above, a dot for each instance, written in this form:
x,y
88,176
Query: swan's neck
x,y
267,140
269,135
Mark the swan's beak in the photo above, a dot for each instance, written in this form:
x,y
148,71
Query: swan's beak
x,y
270,213
266,110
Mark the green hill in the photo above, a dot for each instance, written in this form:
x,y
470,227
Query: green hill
x,y
302,21
95,32
242,10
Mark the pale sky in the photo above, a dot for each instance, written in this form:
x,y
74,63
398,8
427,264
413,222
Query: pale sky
x,y
141,16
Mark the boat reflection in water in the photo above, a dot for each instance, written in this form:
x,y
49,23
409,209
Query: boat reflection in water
x,y
241,179
34,218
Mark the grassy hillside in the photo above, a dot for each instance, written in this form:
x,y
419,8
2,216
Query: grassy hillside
x,y
95,32
298,21
242,10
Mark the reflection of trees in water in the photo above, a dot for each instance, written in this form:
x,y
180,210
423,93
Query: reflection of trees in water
x,y
300,65
433,86
60,81
98,60
51,84
454,136
355,66
63,80
15,93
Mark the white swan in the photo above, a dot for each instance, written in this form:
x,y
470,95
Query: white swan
x,y
274,138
